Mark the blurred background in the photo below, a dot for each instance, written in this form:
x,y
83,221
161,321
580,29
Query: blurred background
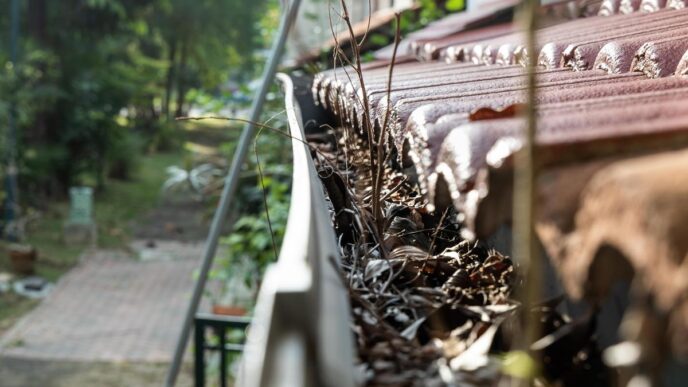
x,y
106,197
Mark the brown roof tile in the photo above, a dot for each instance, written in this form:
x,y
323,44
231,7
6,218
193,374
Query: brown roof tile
x,y
682,67
581,54
613,209
431,49
629,6
652,5
676,4
450,25
457,124
660,58
609,7
565,134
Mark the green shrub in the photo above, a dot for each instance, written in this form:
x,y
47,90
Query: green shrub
x,y
124,154
167,137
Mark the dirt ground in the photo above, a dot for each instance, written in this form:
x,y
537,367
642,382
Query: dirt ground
x,y
174,219
39,373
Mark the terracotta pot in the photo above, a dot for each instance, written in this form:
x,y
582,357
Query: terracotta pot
x,y
23,259
227,310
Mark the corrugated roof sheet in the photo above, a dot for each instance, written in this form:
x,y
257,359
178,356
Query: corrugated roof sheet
x,y
455,121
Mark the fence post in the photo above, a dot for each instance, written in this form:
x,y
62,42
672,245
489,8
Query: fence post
x,y
199,353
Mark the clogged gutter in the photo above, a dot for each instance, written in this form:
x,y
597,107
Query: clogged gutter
x,y
428,308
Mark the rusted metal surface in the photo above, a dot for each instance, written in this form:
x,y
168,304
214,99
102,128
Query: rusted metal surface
x,y
429,110
471,51
609,7
486,204
328,85
586,47
581,55
682,67
475,84
629,218
450,25
423,123
600,30
456,127
616,57
431,49
567,137
676,4
574,44
556,39
555,116
463,47
661,57
629,6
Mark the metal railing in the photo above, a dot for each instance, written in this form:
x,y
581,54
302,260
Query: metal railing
x,y
218,327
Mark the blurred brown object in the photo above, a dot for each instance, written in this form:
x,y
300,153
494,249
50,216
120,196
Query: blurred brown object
x,y
225,310
22,258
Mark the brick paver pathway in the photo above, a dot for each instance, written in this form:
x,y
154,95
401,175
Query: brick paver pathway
x,y
110,308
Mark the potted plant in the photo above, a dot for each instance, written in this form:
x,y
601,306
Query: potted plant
x,y
250,250
237,288
22,258
22,255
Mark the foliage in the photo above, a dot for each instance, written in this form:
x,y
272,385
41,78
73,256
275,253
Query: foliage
x,y
263,201
251,234
410,21
125,201
455,5
12,306
98,80
29,86
429,10
251,238
196,181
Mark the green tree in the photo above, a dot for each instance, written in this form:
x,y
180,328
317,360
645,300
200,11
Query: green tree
x,y
96,75
197,35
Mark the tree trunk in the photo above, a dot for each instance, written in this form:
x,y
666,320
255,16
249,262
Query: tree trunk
x,y
37,20
181,80
37,25
169,81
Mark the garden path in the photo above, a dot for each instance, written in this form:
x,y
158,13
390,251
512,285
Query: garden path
x,y
111,308
113,320
114,312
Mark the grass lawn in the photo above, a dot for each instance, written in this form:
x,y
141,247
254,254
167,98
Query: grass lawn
x,y
124,201
12,307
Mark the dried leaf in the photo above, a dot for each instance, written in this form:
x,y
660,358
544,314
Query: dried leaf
x,y
410,332
476,356
375,268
